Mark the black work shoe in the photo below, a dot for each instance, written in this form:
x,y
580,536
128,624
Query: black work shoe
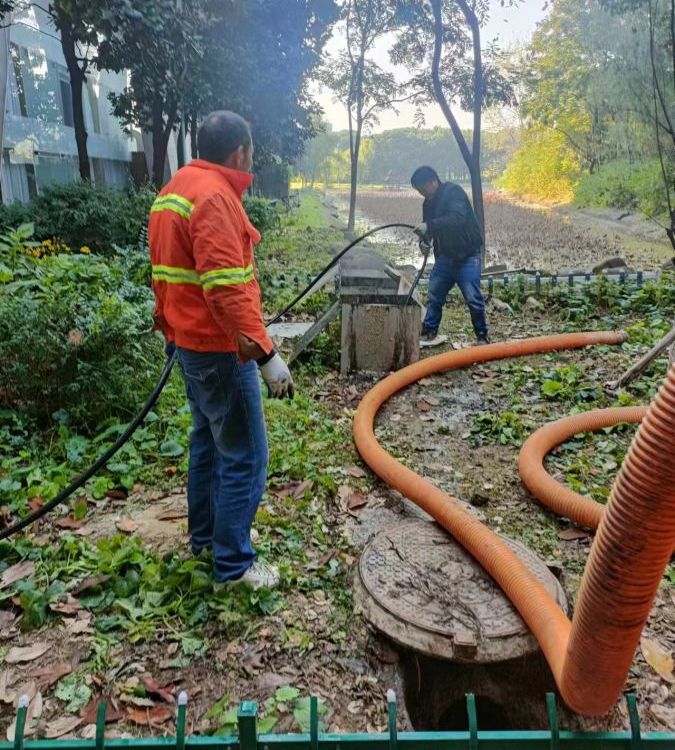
x,y
483,340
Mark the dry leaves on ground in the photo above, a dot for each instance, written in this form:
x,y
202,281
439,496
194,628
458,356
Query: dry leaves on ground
x,y
20,654
658,658
150,717
16,573
356,471
573,534
126,525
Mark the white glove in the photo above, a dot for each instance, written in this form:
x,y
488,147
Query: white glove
x,y
278,378
421,229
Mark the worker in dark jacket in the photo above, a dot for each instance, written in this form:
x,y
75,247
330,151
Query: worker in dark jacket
x,y
450,226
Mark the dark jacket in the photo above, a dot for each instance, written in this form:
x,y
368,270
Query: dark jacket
x,y
452,223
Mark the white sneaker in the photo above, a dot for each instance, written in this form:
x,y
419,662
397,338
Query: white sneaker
x,y
259,575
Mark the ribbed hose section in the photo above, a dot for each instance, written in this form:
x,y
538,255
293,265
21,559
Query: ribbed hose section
x,y
583,511
632,547
541,613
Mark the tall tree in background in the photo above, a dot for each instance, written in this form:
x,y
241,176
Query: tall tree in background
x,y
261,62
361,85
441,46
163,45
661,28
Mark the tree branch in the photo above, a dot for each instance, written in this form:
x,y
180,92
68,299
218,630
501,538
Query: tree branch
x,y
438,88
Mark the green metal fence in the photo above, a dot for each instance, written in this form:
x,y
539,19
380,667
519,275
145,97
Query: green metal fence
x,y
248,738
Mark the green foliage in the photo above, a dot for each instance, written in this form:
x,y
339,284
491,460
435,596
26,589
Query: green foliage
x,y
264,214
84,214
543,168
506,428
72,339
623,185
223,713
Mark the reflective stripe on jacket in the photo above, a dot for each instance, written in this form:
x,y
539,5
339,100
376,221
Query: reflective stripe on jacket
x,y
203,272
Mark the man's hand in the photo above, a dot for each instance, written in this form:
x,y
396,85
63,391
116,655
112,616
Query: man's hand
x,y
421,229
278,378
425,247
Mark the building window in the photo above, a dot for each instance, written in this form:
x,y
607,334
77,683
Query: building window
x,y
18,76
93,105
32,184
66,102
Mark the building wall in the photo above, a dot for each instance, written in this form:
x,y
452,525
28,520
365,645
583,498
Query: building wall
x,y
38,137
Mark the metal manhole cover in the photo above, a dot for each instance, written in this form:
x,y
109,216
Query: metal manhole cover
x,y
421,579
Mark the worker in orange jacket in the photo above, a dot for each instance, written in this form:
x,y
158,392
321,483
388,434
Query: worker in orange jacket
x,y
207,304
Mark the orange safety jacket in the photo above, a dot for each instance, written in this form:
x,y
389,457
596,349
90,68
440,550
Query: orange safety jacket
x,y
201,247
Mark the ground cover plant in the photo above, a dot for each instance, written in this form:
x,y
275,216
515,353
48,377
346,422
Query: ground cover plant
x,y
104,600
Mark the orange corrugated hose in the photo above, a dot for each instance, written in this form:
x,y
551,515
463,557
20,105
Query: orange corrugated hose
x,y
590,658
560,499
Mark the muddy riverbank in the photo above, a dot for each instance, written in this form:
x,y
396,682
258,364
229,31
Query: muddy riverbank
x,y
519,235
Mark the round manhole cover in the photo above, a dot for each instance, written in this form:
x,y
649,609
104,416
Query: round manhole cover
x,y
425,591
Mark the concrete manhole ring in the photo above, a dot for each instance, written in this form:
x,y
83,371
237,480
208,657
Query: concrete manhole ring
x,y
420,587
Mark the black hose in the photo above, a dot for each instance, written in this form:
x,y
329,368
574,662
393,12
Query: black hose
x,y
334,261
103,459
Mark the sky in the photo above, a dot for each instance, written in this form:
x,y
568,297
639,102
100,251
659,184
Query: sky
x,y
511,26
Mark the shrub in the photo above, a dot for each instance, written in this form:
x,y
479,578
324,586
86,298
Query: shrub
x,y
543,168
84,214
74,338
264,214
623,185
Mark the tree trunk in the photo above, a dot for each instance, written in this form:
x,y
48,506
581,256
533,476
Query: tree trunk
x,y
180,144
77,80
193,135
161,133
353,178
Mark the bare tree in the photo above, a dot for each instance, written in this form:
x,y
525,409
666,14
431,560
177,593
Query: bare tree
x,y
362,86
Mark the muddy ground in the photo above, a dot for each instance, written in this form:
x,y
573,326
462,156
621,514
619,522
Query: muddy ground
x,y
520,235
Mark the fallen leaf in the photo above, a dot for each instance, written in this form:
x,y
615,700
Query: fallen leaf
x,y
79,625
127,525
35,503
18,654
35,708
571,534
431,400
150,717
154,688
658,658
171,470
343,493
68,522
172,515
6,696
70,606
356,471
16,573
664,715
299,491
7,619
118,493
53,673
59,727
252,663
89,713
90,583
423,406
137,701
356,501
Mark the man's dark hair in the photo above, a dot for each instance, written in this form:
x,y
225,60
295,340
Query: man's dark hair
x,y
424,175
221,133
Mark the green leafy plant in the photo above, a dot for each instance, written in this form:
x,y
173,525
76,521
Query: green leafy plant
x,y
506,428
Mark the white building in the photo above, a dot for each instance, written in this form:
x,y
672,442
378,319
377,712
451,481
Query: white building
x,y
38,137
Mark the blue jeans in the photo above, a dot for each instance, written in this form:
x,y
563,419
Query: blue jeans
x,y
445,274
228,457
